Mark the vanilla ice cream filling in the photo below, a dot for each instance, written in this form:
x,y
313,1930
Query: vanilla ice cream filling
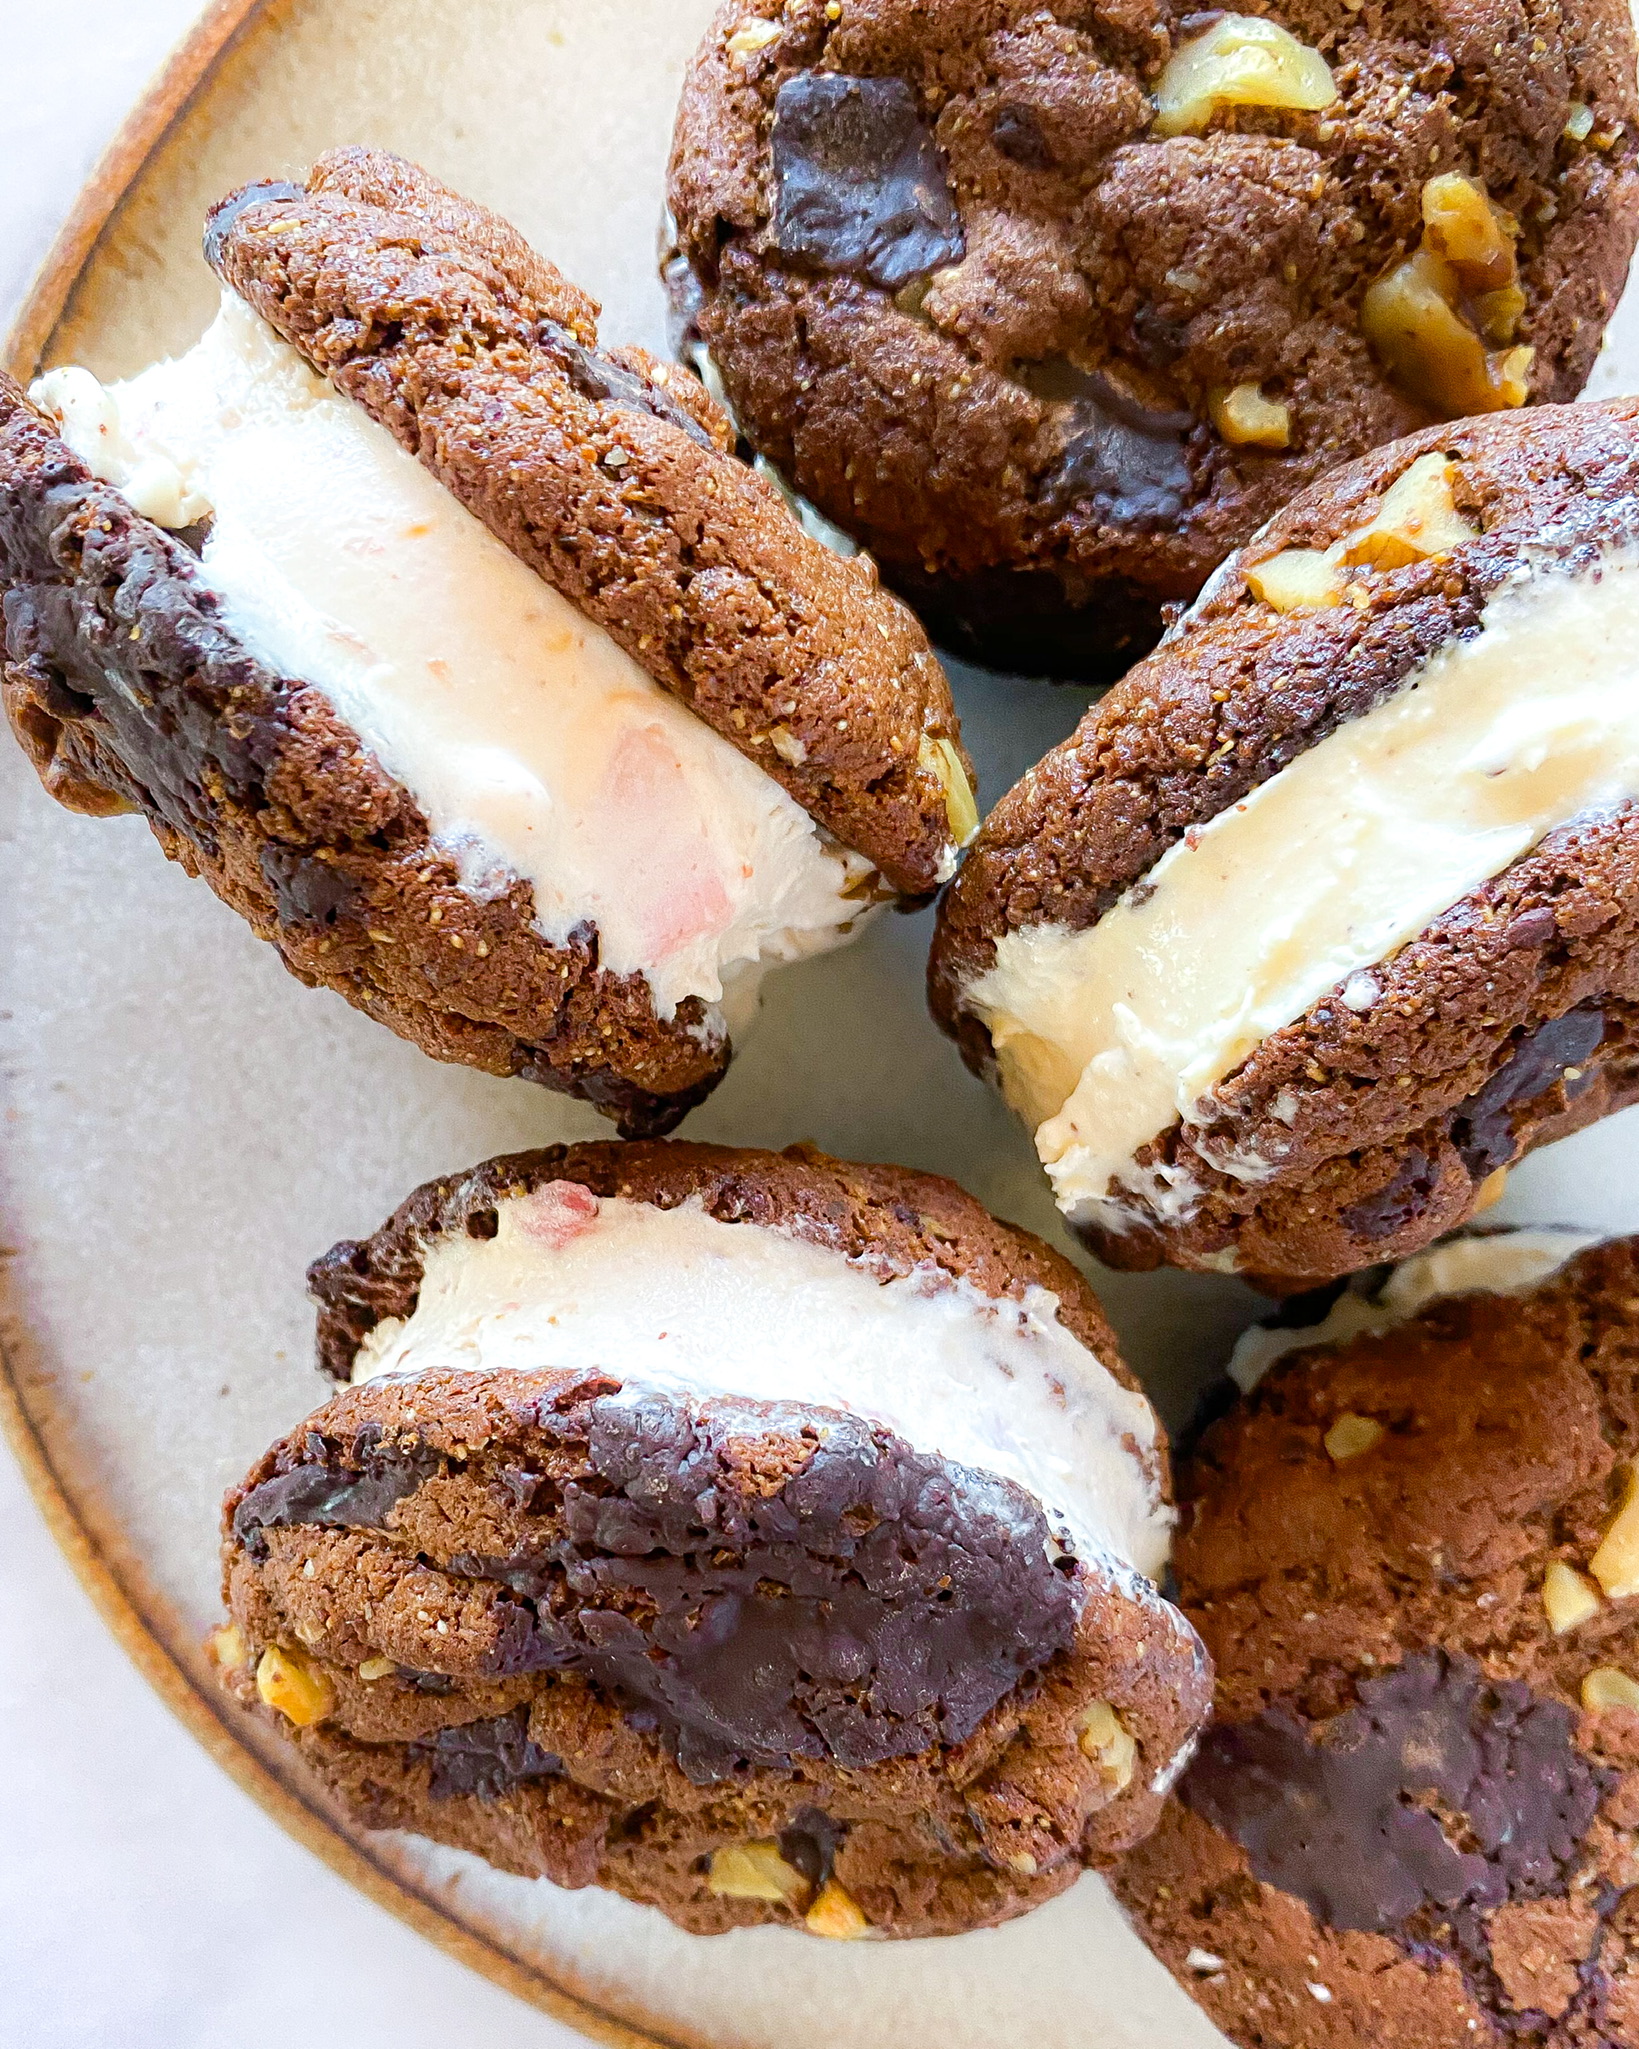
x,y
675,1300
1106,1037
534,745
1488,1263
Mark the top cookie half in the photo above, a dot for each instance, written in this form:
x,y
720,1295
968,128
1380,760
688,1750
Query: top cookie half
x,y
1052,306
1330,910
541,758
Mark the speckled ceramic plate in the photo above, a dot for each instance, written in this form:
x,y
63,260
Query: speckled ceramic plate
x,y
186,1127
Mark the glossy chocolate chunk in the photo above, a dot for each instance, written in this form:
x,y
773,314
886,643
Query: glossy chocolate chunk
x,y
1440,1790
860,184
486,1760
1484,1129
359,1494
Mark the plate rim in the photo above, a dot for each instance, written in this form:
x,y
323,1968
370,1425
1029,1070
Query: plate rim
x,y
180,79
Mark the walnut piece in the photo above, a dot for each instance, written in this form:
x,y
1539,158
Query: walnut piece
x,y
1241,61
1243,415
227,1647
1606,1687
1616,1563
1104,1737
1297,580
752,36
939,757
1568,1598
298,1689
756,1871
1350,1436
1417,519
836,1915
1430,320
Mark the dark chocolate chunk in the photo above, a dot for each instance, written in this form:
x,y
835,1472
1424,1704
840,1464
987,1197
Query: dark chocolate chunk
x,y
1401,1202
226,211
1483,1128
598,377
880,1601
860,184
358,1495
1131,474
1017,134
1440,1791
306,891
485,1760
811,1843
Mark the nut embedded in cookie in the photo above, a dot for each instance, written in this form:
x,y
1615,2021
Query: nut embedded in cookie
x,y
453,648
1421,1790
1324,916
765,1538
1052,308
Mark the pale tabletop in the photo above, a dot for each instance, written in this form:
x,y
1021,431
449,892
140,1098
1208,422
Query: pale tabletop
x,y
145,1902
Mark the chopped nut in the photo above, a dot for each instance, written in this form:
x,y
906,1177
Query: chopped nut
x,y
1245,417
1102,1736
1411,320
1578,122
1616,1563
377,1668
227,1647
940,757
1241,61
300,1692
835,1914
756,1871
1475,237
1606,1687
1349,1436
787,746
1568,1598
1297,580
752,36
1430,319
1418,518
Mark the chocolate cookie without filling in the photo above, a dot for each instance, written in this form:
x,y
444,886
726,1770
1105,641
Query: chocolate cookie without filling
x,y
762,1537
1414,1556
1330,911
1050,307
409,741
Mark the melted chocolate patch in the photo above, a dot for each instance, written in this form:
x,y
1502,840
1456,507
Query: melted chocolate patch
x,y
1345,1819
811,1843
1126,457
860,183
1401,1202
354,1497
306,891
606,382
879,1602
226,212
1483,1129
485,1760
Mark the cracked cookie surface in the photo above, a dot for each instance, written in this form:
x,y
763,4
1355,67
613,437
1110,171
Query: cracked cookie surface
x,y
1050,307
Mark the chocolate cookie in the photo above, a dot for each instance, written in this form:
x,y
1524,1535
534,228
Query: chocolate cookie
x,y
455,651
1330,910
1414,1556
763,1537
1052,306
